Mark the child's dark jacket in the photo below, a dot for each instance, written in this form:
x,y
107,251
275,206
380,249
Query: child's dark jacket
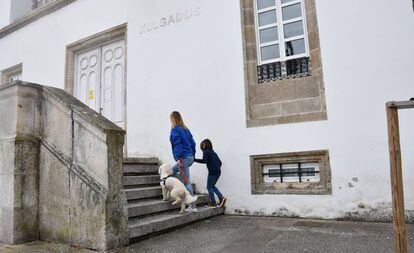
x,y
213,162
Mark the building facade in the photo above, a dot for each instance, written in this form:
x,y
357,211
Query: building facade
x,y
291,92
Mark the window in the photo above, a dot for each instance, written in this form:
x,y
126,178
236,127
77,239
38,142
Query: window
x,y
282,62
280,30
24,12
15,77
22,8
291,173
282,42
35,4
11,74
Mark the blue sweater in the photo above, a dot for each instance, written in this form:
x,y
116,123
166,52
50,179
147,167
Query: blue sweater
x,y
213,162
182,143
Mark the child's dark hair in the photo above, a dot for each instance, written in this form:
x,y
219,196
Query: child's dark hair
x,y
206,145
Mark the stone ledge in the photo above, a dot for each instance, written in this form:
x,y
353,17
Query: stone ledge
x,y
72,103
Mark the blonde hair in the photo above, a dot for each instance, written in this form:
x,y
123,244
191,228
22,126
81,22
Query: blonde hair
x,y
177,120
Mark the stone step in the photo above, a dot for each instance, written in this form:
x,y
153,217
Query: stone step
x,y
149,206
141,160
140,228
140,169
143,192
141,180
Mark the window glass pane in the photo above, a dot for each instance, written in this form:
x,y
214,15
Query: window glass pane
x,y
292,11
268,17
290,170
295,47
273,171
310,170
268,34
293,29
287,1
270,52
261,4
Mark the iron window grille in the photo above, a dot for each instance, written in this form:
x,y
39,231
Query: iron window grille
x,y
291,173
283,70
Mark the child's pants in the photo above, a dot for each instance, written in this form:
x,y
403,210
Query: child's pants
x,y
211,187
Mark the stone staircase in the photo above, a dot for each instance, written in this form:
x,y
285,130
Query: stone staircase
x,y
148,214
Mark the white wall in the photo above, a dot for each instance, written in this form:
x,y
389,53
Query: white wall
x,y
20,8
4,12
41,45
196,66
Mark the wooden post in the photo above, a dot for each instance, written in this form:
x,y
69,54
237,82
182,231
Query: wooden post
x,y
400,230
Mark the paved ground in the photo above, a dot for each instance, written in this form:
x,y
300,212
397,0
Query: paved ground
x,y
250,234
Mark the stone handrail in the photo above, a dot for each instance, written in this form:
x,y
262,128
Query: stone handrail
x,y
67,163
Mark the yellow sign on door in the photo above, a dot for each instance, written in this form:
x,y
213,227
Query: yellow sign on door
x,y
91,94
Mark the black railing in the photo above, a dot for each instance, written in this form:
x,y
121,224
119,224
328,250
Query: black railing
x,y
283,70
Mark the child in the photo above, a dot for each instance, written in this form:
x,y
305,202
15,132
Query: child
x,y
213,165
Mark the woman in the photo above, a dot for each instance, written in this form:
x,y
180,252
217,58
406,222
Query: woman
x,y
183,148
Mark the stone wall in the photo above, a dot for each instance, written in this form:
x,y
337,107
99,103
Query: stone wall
x,y
289,100
66,164
19,176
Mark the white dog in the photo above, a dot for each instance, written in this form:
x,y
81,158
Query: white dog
x,y
174,188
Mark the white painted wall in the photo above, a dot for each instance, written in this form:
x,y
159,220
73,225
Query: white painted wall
x,y
41,45
196,66
19,8
4,12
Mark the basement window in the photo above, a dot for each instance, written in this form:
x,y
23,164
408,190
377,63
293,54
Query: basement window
x,y
301,173
291,173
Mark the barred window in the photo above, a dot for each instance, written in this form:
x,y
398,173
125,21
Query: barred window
x,y
306,172
292,172
282,39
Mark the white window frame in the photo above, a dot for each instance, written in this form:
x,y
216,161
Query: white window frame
x,y
280,26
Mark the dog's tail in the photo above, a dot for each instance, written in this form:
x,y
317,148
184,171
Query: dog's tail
x,y
189,199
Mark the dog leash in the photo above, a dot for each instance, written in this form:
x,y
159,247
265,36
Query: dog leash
x,y
182,171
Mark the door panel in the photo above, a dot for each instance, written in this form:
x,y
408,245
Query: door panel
x,y
100,80
87,86
113,81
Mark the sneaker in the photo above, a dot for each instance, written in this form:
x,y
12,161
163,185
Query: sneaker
x,y
222,202
191,209
211,205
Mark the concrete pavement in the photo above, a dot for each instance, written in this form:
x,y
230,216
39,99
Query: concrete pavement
x,y
254,234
